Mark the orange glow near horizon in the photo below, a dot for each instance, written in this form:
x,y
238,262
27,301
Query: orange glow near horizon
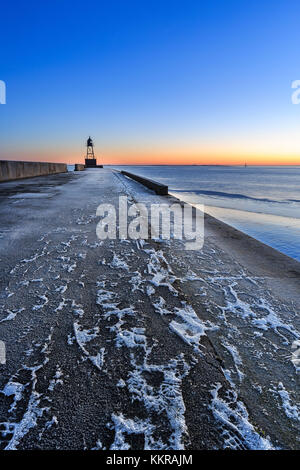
x,y
156,157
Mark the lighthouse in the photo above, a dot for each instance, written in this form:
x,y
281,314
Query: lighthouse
x,y
90,160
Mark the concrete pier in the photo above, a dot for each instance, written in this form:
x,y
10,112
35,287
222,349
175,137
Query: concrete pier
x,y
157,187
139,344
13,170
79,167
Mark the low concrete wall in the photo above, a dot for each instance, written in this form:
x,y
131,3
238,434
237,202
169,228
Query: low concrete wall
x,y
14,170
159,188
79,167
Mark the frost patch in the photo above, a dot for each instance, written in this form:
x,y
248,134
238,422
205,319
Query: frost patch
x,y
133,338
99,359
136,282
236,359
238,432
61,305
243,309
39,306
167,398
56,379
160,307
118,263
61,289
192,328
12,314
29,419
77,309
124,427
160,271
84,336
292,411
16,389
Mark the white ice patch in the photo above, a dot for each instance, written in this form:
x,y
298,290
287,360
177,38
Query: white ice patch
x,y
291,410
72,239
99,359
121,383
62,289
70,339
85,220
118,263
120,314
12,314
77,309
236,305
124,427
65,259
185,333
53,421
236,358
150,290
271,320
84,336
191,328
98,446
160,307
33,411
227,373
160,271
61,305
45,300
28,421
134,338
136,282
33,258
238,432
16,389
70,268
105,297
56,379
167,398
92,245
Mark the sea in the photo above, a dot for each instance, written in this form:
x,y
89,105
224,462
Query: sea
x,y
261,201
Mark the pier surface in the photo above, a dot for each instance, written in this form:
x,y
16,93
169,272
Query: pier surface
x,y
131,345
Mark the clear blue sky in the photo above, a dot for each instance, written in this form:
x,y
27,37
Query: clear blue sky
x,y
178,79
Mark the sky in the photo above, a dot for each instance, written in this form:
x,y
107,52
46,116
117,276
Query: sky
x,y
153,82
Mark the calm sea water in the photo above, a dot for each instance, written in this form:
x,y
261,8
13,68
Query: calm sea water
x,y
263,202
